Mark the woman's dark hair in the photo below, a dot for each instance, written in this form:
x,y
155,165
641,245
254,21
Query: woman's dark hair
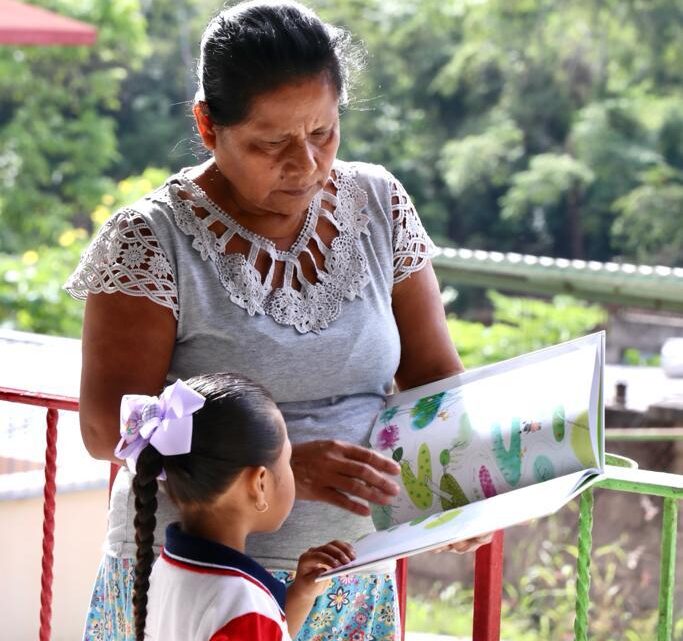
x,y
236,428
256,47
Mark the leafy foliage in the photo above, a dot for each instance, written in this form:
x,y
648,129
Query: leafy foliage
x,y
57,137
519,125
649,225
522,125
521,325
31,294
539,603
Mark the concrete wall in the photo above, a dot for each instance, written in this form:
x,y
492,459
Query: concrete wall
x,y
81,520
644,331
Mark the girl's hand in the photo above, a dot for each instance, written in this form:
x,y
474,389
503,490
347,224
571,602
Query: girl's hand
x,y
302,592
330,471
314,562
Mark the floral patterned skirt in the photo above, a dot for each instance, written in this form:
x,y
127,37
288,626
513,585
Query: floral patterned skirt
x,y
353,608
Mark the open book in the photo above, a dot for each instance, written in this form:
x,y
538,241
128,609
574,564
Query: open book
x,y
489,448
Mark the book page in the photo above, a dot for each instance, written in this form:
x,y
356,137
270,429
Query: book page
x,y
492,430
429,532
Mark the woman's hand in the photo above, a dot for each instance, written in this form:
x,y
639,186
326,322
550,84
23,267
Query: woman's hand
x,y
330,470
470,545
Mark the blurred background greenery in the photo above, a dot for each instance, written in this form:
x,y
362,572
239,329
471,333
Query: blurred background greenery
x,y
535,126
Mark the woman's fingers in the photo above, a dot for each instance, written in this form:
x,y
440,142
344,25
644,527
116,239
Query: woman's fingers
x,y
469,545
334,497
367,483
369,457
359,489
462,547
330,470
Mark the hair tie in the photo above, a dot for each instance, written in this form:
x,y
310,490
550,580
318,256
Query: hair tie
x,y
164,422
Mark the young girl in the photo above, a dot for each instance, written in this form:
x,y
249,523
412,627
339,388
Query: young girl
x,y
220,445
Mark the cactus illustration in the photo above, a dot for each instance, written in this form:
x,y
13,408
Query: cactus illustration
x,y
543,469
388,414
425,410
486,482
509,460
558,423
419,519
465,431
580,439
381,516
448,485
462,440
442,519
418,486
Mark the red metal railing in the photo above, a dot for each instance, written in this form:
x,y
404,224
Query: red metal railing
x,y
488,590
488,560
53,404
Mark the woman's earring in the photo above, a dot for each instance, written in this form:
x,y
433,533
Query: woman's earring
x,y
262,507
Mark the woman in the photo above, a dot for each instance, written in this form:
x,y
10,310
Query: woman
x,y
276,260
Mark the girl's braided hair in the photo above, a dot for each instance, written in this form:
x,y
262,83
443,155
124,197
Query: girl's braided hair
x,y
236,428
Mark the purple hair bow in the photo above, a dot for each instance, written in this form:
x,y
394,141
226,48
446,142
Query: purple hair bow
x,y
164,422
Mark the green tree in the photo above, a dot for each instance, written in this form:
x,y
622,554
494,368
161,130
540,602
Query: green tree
x,y
474,105
522,125
649,226
57,135
154,124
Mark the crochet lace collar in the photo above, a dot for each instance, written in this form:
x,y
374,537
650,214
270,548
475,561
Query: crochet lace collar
x,y
341,270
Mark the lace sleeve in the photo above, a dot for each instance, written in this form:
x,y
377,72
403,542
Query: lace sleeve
x,y
412,245
126,257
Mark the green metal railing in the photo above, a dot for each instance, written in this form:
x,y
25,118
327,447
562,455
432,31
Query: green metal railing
x,y
645,286
625,477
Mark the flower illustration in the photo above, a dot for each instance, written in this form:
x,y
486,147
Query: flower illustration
x,y
120,622
385,614
321,620
359,601
108,624
348,579
360,617
338,599
96,631
388,437
388,414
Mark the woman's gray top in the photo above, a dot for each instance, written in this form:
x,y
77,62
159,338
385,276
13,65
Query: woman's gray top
x,y
326,350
